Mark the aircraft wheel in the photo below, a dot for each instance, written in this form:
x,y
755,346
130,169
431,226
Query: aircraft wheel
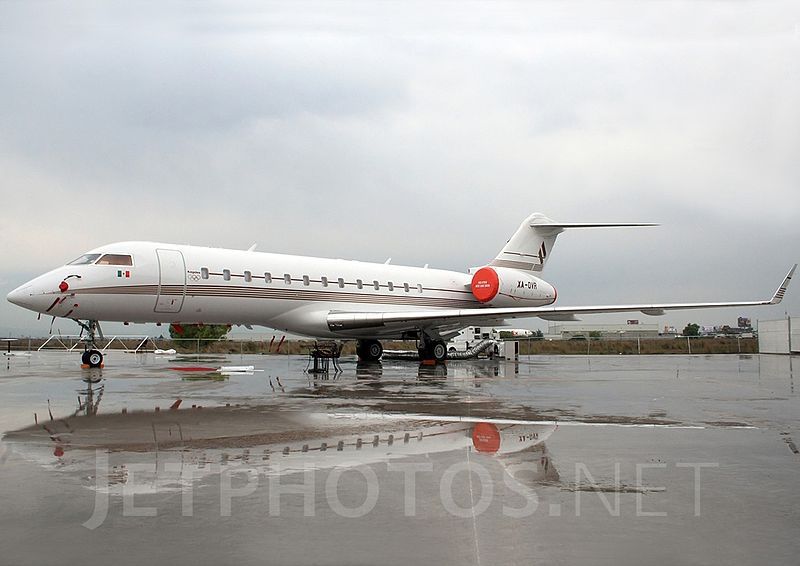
x,y
435,350
439,351
92,358
369,350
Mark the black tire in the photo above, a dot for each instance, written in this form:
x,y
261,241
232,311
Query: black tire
x,y
375,350
439,351
369,350
92,358
435,350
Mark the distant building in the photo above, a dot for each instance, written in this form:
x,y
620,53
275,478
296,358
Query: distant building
x,y
601,331
743,322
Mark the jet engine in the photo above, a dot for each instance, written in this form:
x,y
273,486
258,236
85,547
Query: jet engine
x,y
490,438
503,287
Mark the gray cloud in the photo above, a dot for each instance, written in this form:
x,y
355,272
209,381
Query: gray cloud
x,y
425,132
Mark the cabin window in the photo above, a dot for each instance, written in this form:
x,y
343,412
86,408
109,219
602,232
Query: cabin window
x,y
85,259
248,276
359,283
115,259
226,274
267,277
341,283
390,285
377,285
419,287
406,287
204,272
324,281
287,278
306,280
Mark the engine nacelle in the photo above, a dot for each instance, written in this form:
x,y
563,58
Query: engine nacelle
x,y
503,287
490,438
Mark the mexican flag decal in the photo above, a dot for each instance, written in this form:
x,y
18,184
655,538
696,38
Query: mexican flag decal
x,y
121,273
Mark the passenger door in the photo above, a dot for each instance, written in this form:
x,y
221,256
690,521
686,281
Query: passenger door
x,y
171,281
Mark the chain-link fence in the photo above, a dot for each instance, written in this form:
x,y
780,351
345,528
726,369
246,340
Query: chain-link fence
x,y
278,345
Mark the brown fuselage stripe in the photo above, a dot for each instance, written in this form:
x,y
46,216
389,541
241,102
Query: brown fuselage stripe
x,y
280,294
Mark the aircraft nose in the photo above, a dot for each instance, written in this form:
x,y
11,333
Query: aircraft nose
x,y
20,296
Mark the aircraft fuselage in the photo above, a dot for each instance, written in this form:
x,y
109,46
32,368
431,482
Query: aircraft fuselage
x,y
168,283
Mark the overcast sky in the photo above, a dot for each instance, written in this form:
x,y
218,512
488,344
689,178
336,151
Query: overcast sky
x,y
421,131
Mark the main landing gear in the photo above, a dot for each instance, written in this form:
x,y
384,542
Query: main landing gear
x,y
91,357
369,350
429,349
432,350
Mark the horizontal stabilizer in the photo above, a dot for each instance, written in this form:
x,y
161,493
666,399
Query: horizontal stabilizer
x,y
564,225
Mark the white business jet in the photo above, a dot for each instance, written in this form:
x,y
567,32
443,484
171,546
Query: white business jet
x,y
142,282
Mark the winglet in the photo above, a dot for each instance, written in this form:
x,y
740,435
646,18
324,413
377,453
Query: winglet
x,y
778,296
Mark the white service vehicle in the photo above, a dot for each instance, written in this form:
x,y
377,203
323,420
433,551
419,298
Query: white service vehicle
x,y
471,337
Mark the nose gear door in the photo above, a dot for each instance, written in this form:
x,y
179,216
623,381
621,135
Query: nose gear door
x,y
171,281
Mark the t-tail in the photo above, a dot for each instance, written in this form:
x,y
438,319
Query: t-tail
x,y
532,243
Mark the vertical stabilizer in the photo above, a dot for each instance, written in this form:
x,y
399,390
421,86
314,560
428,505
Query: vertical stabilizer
x,y
532,243
529,247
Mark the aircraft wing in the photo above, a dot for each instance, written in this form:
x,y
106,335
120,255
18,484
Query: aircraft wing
x,y
453,318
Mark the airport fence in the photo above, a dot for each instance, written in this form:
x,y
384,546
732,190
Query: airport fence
x,y
277,345
641,346
147,344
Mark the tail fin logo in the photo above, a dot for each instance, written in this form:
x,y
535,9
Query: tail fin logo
x,y
542,253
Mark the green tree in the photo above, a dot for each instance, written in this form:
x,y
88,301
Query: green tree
x,y
199,331
692,329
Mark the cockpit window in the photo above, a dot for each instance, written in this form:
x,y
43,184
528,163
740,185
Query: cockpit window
x,y
85,259
115,259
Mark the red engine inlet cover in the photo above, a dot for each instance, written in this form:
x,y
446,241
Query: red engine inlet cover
x,y
486,438
485,284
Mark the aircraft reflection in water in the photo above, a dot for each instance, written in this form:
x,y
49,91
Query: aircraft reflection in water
x,y
269,440
461,371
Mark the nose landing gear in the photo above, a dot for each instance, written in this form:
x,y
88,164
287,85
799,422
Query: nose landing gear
x,y
91,357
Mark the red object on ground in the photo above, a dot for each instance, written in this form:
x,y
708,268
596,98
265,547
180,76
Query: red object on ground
x,y
193,368
485,284
176,404
178,328
486,438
